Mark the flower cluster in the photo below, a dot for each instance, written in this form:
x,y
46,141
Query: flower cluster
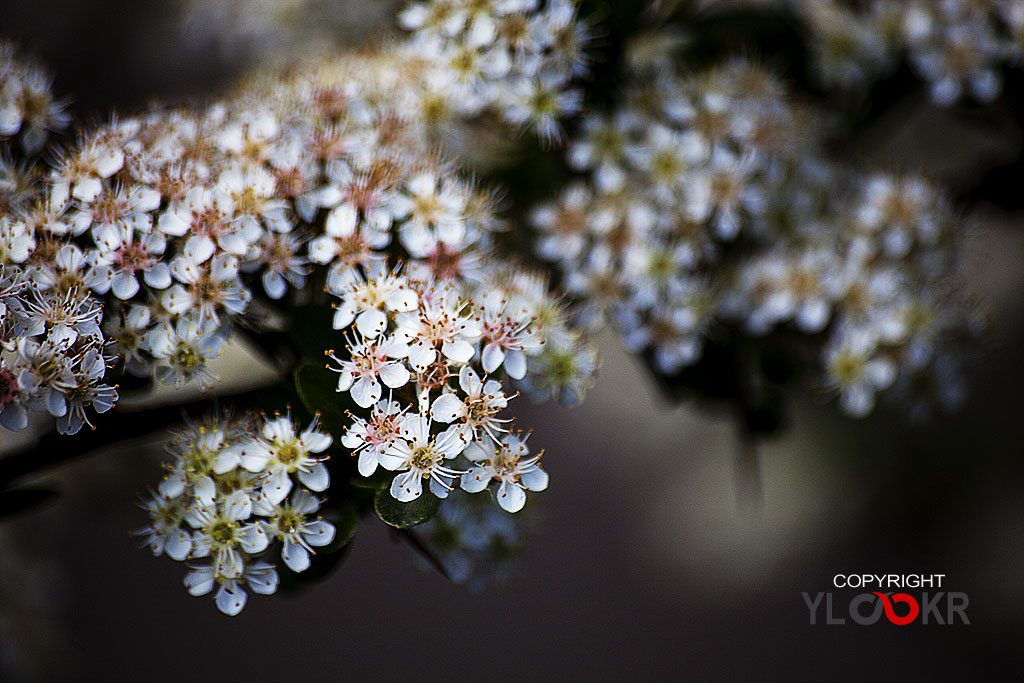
x,y
708,205
425,362
51,347
178,216
28,107
957,46
235,492
515,57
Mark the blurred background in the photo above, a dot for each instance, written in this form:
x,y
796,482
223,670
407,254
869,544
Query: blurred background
x,y
643,559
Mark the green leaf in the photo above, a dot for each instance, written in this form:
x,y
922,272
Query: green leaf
x,y
15,501
405,515
316,386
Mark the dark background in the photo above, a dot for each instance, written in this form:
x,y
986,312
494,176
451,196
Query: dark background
x,y
642,564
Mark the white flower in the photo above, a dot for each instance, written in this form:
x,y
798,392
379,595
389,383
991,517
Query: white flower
x,y
220,533
280,453
288,522
367,439
506,462
858,371
366,300
210,288
477,411
369,361
87,392
16,242
435,213
418,455
444,320
507,332
201,452
280,264
121,256
118,208
726,186
231,597
187,349
347,241
207,217
164,533
565,224
251,189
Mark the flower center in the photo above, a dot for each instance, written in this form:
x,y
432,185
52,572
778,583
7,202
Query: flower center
x,y
424,458
186,357
222,532
848,367
445,263
134,257
288,453
198,461
288,522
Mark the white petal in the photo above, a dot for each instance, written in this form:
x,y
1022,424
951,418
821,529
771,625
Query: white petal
x,y
318,533
492,357
253,538
205,491
158,277
199,581
262,579
402,300
125,286
231,601
407,486
341,221
421,355
238,506
372,323
511,498
535,480
459,350
254,456
178,545
315,442
447,408
368,462
277,487
295,556
171,223
441,490
317,479
394,375
515,364
475,480
227,460
274,284
366,391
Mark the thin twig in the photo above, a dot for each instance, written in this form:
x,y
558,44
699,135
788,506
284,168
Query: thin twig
x,y
749,484
112,427
419,546
747,466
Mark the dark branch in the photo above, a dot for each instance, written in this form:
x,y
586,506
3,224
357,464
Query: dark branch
x,y
419,546
112,427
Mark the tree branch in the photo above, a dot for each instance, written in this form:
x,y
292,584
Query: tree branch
x,y
112,427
